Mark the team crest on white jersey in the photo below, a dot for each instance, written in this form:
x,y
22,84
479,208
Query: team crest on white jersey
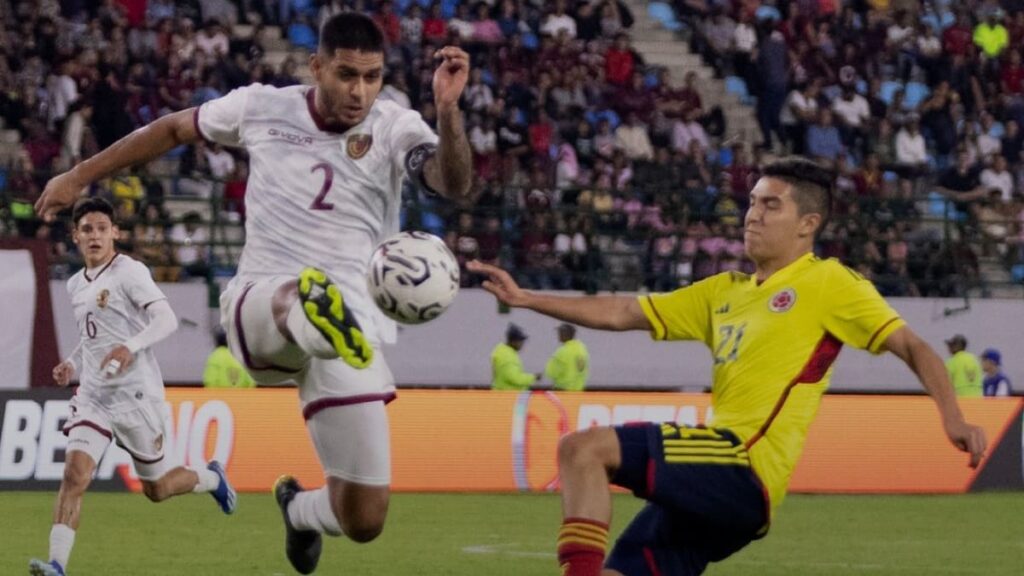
x,y
358,145
783,300
102,298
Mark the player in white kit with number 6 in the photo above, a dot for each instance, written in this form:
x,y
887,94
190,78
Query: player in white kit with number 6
x,y
120,313
327,166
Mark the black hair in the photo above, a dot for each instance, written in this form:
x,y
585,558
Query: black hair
x,y
221,337
812,184
90,205
350,31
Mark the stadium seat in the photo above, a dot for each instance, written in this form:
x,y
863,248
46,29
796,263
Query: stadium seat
x,y
448,8
530,41
889,87
766,12
1017,273
914,94
651,79
737,86
664,15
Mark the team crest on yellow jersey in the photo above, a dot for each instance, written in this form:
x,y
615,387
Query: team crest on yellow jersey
x,y
782,300
358,145
102,298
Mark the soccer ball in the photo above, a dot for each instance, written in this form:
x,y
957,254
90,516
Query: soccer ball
x,y
413,277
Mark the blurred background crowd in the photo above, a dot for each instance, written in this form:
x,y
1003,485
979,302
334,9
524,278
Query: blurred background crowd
x,y
596,169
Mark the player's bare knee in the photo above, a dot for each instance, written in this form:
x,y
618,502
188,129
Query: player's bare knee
x,y
585,448
75,479
575,449
156,491
362,529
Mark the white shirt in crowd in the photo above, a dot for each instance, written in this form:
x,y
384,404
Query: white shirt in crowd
x,y
634,142
799,101
554,23
910,148
1002,181
853,112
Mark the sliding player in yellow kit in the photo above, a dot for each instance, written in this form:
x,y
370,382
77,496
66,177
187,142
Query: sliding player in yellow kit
x,y
774,336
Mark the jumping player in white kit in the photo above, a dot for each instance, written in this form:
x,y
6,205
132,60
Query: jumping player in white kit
x,y
327,165
120,313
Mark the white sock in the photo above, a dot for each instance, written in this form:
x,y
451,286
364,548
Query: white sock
x,y
311,510
307,336
208,480
62,538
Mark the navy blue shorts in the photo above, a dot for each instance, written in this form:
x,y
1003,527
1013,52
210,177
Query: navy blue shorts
x,y
704,500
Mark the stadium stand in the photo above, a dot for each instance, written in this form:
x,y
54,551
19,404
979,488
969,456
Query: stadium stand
x,y
614,141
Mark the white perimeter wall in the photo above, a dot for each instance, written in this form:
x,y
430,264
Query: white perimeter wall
x,y
455,348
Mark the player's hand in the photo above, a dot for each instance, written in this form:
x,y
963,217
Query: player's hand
x,y
499,283
117,361
968,438
450,77
60,192
62,373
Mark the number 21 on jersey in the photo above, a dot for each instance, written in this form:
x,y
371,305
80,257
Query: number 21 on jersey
x,y
731,335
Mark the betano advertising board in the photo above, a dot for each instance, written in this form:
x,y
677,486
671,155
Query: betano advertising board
x,y
484,441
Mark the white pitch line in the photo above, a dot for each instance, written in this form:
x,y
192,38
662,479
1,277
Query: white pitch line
x,y
862,567
506,550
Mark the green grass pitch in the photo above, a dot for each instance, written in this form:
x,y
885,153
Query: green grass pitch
x,y
463,535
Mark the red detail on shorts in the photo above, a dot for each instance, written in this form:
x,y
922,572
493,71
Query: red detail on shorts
x,y
825,353
88,424
317,405
650,476
651,564
246,357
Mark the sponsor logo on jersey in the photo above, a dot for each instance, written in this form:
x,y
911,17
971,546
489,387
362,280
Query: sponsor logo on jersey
x,y
103,298
358,145
782,300
291,137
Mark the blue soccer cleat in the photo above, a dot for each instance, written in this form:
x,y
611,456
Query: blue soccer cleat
x,y
225,495
39,568
302,547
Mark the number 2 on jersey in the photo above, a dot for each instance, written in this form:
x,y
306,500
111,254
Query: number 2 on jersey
x,y
319,203
732,335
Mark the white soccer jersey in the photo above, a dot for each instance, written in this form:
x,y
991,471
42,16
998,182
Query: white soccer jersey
x,y
315,197
110,307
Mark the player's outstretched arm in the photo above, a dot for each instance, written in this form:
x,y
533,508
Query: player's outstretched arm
x,y
450,171
616,313
142,145
930,370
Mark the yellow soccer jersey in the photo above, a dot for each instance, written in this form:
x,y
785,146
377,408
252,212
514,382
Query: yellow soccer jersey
x,y
773,346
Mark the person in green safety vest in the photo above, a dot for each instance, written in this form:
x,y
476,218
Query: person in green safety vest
x,y
964,368
506,367
569,367
222,370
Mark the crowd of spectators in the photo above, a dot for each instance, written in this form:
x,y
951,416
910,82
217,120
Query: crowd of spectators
x,y
594,171
907,99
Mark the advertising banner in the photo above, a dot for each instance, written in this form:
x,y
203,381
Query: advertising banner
x,y
483,441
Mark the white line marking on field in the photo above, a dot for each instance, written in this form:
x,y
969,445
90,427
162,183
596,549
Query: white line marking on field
x,y
862,567
506,550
